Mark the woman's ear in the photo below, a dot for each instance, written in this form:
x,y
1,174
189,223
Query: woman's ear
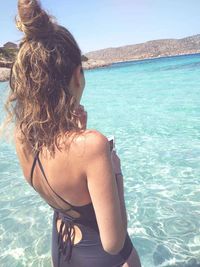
x,y
77,76
77,83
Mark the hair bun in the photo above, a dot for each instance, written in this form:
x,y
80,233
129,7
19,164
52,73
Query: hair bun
x,y
33,20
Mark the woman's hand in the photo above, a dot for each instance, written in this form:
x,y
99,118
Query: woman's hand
x,y
82,116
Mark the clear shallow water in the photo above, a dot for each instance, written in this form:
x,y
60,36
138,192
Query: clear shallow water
x,y
153,109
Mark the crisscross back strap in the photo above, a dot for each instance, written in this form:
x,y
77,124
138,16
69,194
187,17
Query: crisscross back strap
x,y
42,170
33,167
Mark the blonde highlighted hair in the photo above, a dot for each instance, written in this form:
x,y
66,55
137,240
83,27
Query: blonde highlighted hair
x,y
39,102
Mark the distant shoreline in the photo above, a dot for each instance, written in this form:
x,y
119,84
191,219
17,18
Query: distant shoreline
x,y
150,50
154,49
107,64
5,72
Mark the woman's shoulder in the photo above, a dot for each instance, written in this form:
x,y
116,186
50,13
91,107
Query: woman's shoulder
x,y
89,144
93,136
95,141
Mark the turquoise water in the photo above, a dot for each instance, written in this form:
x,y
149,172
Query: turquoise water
x,y
153,109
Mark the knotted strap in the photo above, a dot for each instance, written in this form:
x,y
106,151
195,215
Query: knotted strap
x,y
66,237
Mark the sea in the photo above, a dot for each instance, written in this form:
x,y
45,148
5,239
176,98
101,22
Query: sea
x,y
152,108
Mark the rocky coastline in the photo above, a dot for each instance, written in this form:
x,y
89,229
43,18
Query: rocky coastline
x,y
101,63
4,74
94,63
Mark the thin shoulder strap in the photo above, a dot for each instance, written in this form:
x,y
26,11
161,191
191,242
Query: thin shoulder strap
x,y
41,168
33,167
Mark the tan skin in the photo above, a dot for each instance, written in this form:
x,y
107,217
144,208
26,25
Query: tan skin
x,y
86,173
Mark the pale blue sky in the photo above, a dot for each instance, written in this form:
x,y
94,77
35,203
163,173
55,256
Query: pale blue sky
x,y
100,24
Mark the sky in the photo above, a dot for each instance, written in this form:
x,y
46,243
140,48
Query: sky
x,y
98,24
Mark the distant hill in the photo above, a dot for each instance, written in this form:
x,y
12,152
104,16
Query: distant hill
x,y
150,49
10,45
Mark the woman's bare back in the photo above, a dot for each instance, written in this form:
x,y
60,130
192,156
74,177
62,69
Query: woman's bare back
x,y
65,171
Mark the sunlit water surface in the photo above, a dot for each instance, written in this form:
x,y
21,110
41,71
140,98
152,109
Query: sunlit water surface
x,y
152,108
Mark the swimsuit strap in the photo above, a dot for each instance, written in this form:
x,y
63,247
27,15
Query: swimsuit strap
x,y
41,168
33,167
36,158
66,236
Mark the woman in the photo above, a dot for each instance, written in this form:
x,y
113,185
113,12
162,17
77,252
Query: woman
x,y
70,166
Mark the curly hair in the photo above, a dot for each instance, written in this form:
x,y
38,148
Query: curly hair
x,y
40,103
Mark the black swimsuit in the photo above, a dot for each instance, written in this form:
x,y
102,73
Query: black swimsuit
x,y
88,252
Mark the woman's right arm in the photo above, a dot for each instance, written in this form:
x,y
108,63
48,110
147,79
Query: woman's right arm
x,y
120,184
104,192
